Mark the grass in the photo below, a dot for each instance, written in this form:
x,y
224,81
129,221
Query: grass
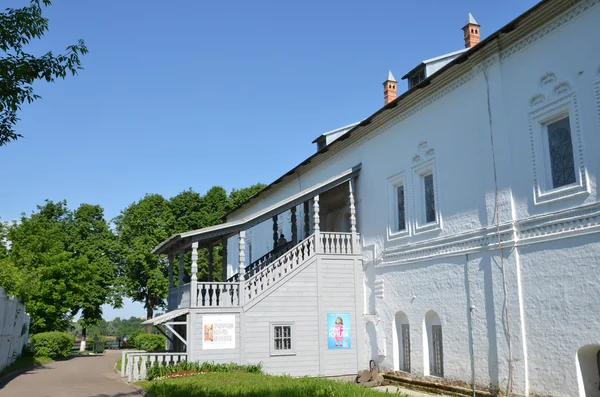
x,y
119,364
253,385
25,361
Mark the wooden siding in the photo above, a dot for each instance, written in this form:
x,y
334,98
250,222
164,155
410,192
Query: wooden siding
x,y
295,300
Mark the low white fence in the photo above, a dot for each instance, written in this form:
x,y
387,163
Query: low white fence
x,y
134,363
14,329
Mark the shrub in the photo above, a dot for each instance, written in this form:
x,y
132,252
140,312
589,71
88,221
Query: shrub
x,y
149,342
189,368
52,344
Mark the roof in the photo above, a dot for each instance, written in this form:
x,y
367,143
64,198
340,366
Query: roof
x,y
372,122
432,60
163,318
390,77
471,20
228,228
346,127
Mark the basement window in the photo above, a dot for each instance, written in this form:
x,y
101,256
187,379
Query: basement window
x,y
282,339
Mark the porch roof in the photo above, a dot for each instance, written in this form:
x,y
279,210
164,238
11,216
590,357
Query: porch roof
x,y
184,240
163,318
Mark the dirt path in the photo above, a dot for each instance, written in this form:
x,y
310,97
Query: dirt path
x,y
85,376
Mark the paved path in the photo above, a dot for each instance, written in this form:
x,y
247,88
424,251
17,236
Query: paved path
x,y
84,376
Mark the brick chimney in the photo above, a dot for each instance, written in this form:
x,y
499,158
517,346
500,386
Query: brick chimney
x,y
471,30
389,89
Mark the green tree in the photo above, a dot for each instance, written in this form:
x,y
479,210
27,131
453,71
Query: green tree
x,y
140,227
94,246
19,70
39,247
239,196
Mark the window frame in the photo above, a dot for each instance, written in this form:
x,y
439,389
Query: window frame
x,y
288,352
539,120
420,171
393,183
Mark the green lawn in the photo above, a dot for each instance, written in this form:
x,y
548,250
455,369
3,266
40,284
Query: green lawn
x,y
25,361
252,385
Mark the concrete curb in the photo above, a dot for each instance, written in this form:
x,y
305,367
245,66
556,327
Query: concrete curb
x,y
434,387
132,385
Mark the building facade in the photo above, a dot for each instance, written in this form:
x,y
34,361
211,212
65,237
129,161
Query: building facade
x,y
457,228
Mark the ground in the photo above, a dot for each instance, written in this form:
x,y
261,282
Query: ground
x,y
83,376
80,376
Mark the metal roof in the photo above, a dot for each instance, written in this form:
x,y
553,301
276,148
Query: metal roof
x,y
163,318
177,241
471,20
391,77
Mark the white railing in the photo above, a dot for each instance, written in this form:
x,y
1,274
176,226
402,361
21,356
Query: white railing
x,y
280,268
213,294
14,329
135,364
335,243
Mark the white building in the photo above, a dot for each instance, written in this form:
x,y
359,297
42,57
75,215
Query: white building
x,y
468,246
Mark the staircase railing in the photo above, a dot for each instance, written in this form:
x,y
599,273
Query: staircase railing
x,y
261,262
279,268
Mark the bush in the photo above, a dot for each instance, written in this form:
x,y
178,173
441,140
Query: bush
x,y
52,344
149,342
189,368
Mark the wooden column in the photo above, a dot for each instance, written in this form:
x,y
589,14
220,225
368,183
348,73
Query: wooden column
x,y
194,281
294,226
316,223
306,219
224,259
181,267
210,262
242,253
170,258
352,216
275,235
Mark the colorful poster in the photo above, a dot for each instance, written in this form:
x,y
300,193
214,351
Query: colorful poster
x,y
338,328
219,332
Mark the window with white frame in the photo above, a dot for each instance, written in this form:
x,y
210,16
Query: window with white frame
x,y
558,164
426,197
397,206
282,339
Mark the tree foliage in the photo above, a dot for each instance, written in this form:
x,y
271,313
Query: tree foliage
x,y
19,70
94,245
140,227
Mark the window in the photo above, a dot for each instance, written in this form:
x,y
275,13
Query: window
x,y
437,369
397,206
406,347
282,339
426,195
429,198
559,168
417,77
561,153
401,226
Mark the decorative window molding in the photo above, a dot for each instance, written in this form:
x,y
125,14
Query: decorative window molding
x,y
421,173
559,102
394,183
544,228
282,339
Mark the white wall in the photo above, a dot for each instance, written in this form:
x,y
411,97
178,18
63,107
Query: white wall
x,y
14,329
456,266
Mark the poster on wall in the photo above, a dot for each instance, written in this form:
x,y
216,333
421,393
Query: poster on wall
x,y
338,328
219,332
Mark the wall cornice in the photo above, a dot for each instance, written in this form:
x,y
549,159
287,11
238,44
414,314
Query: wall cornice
x,y
559,225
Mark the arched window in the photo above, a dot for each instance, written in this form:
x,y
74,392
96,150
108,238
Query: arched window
x,y
433,347
401,342
588,370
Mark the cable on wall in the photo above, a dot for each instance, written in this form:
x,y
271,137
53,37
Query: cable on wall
x,y
497,211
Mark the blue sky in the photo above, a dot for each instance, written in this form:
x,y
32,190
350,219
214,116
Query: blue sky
x,y
180,94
